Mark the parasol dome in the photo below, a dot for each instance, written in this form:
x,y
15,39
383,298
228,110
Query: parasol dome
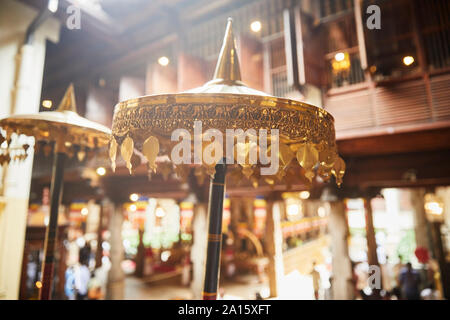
x,y
63,126
305,132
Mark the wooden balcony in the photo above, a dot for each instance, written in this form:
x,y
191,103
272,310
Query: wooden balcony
x,y
412,104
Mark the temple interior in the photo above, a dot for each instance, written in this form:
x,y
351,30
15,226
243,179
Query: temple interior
x,y
359,90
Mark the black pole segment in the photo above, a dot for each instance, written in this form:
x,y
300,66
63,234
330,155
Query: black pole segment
x,y
52,228
215,210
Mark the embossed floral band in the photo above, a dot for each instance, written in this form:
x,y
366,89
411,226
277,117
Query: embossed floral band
x,y
305,132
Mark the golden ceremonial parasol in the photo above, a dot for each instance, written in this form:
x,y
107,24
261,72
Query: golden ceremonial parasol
x,y
304,132
69,133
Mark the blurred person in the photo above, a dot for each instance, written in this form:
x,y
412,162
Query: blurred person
x,y
98,282
361,276
329,292
385,295
230,267
221,294
149,261
431,268
434,282
82,275
316,280
409,282
69,286
86,253
186,270
354,281
326,286
94,288
387,275
396,290
361,271
423,258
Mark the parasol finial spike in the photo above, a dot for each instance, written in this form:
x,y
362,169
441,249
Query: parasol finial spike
x,y
227,67
68,101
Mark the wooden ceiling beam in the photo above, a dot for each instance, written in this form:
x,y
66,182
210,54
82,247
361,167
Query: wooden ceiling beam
x,y
403,142
145,14
408,169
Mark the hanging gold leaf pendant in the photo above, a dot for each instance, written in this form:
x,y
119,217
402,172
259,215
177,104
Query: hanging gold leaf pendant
x,y
286,155
182,172
338,170
247,170
308,157
327,157
81,155
150,149
126,150
200,174
113,153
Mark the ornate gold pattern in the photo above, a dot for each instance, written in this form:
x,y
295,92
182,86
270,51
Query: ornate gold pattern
x,y
296,121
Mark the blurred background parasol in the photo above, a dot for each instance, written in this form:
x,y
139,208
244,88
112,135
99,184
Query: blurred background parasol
x,y
64,132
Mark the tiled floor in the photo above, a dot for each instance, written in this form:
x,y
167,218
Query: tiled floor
x,y
294,286
243,288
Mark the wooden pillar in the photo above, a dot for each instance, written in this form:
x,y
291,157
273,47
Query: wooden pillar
x,y
140,255
274,246
116,276
24,276
51,237
439,252
62,266
421,228
372,258
360,34
99,250
342,270
235,207
249,212
444,194
198,250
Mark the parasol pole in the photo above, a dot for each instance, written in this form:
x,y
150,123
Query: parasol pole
x,y
50,235
67,104
227,72
215,210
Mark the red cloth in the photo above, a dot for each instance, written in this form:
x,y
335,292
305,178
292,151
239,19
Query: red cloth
x,y
422,254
